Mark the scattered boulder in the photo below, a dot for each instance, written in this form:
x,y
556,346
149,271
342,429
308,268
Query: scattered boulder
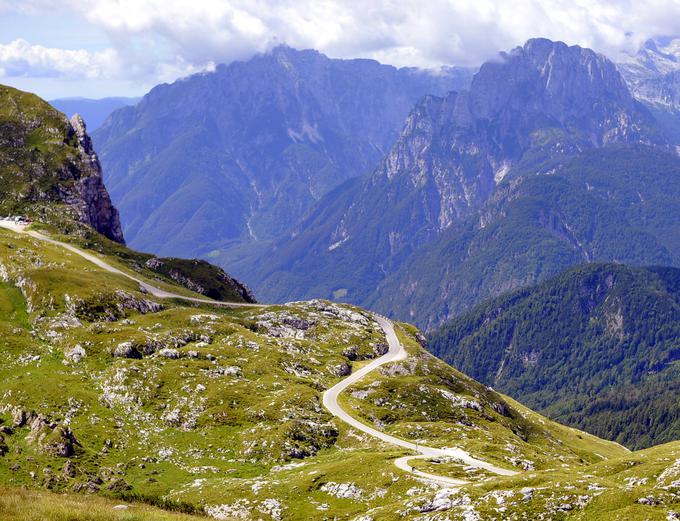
x,y
60,442
90,487
343,490
76,354
69,470
167,352
19,418
127,301
126,350
284,325
4,449
351,353
381,348
342,369
118,485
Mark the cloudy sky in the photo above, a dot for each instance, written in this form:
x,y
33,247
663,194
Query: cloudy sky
x,y
96,48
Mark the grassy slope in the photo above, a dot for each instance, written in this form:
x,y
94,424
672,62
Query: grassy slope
x,y
215,283
220,428
18,504
39,158
407,400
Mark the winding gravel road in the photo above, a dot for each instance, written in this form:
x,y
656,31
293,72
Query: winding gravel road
x,y
395,353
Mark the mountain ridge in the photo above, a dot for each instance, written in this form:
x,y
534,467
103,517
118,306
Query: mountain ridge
x,y
224,160
540,104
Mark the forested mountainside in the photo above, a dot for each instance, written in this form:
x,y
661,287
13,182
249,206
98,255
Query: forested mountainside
x,y
595,347
617,203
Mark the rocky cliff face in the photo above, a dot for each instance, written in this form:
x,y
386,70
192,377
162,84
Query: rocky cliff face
x,y
543,101
90,197
47,161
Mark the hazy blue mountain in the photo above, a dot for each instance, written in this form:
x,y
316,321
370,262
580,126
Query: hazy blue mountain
x,y
93,111
543,101
219,161
595,347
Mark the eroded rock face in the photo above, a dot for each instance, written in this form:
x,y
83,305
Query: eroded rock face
x,y
90,196
52,438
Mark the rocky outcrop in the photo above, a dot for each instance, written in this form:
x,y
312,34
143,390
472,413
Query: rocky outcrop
x,y
52,438
202,277
653,73
92,199
49,168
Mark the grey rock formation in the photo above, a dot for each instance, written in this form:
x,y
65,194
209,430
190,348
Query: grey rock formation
x,y
90,196
652,73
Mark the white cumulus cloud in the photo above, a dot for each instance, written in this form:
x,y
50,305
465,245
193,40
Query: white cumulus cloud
x,y
159,40
20,58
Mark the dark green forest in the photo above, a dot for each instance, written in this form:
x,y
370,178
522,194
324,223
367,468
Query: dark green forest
x,y
596,347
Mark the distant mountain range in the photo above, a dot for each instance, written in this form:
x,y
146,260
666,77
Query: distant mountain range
x,y
268,167
218,162
595,347
93,111
653,75
424,235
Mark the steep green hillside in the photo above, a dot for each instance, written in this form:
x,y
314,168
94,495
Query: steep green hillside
x,y
196,275
49,172
643,486
109,390
595,347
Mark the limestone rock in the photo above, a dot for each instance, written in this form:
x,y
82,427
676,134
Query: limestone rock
x,y
90,196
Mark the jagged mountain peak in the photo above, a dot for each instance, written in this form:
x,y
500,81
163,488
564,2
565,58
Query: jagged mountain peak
x,y
556,79
214,163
